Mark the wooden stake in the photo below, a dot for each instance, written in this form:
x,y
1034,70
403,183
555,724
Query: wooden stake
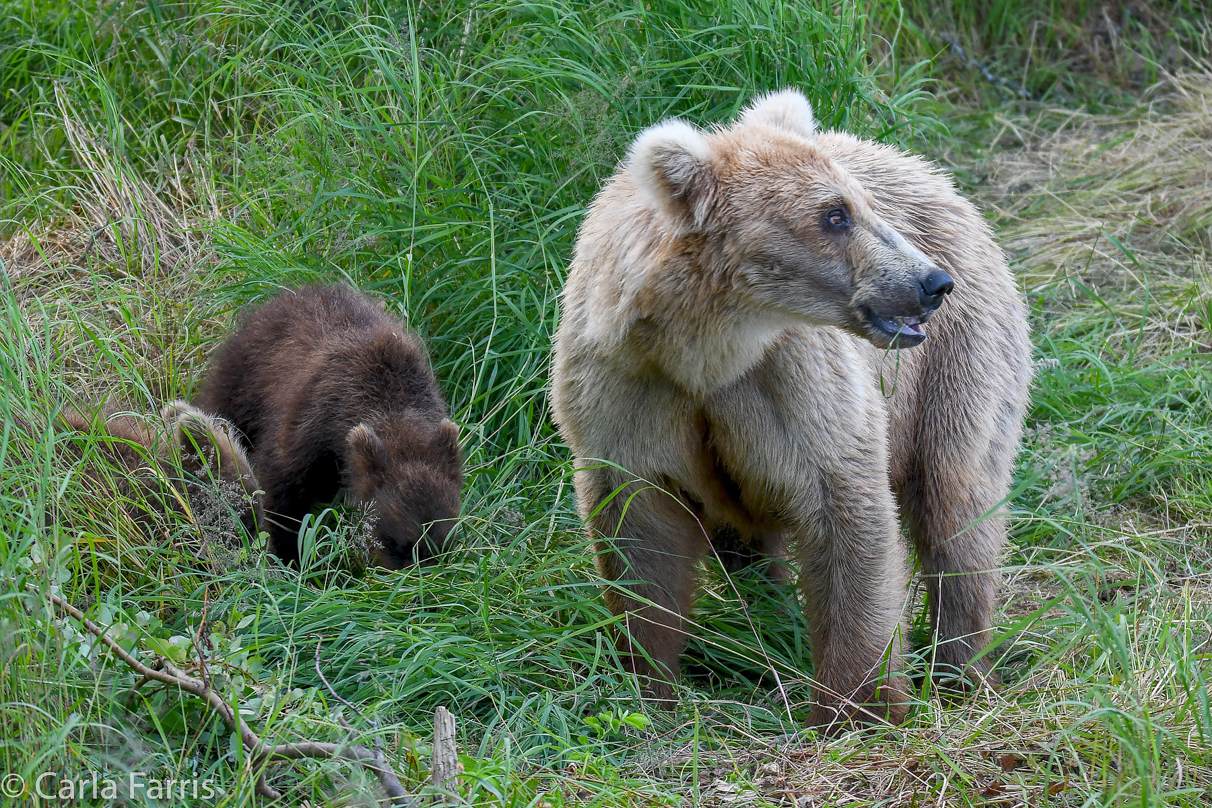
x,y
445,761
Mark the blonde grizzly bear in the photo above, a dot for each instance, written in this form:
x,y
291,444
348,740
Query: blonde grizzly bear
x,y
787,335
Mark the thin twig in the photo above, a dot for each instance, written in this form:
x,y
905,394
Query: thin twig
x,y
373,724
260,751
997,81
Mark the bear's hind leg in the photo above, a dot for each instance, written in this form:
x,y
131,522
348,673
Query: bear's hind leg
x,y
959,535
646,537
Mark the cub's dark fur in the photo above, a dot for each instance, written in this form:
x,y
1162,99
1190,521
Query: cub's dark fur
x,y
330,391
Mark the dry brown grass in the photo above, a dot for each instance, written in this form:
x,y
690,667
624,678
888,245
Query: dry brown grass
x,y
1115,207
111,277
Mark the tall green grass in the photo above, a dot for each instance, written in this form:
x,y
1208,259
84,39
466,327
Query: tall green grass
x,y
1077,53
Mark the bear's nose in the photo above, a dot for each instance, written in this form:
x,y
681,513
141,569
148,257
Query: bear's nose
x,y
932,287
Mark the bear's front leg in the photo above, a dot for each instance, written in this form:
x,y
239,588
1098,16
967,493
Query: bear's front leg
x,y
283,515
807,441
853,575
650,543
295,476
955,477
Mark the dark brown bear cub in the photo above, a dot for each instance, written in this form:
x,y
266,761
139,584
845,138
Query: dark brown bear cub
x,y
330,391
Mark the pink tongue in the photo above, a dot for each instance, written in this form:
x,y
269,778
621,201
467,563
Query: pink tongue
x,y
912,327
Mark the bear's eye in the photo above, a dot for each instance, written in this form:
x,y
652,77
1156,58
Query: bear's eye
x,y
837,219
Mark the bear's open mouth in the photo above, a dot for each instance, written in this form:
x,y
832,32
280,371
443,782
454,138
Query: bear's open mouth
x,y
901,332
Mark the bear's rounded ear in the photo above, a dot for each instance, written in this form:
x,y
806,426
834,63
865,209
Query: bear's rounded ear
x,y
367,454
446,442
206,448
786,109
174,409
76,420
671,164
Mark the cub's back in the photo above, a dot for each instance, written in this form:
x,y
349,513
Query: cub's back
x,y
319,344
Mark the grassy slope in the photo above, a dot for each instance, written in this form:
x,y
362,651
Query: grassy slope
x,y
190,158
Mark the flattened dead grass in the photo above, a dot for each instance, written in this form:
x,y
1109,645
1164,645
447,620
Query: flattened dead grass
x,y
1115,211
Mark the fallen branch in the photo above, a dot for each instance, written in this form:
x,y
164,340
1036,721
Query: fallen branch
x,y
997,81
261,752
378,753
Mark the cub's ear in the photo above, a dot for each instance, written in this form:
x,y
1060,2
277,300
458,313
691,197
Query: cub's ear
x,y
193,429
672,166
367,455
75,420
171,411
199,435
786,109
446,444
